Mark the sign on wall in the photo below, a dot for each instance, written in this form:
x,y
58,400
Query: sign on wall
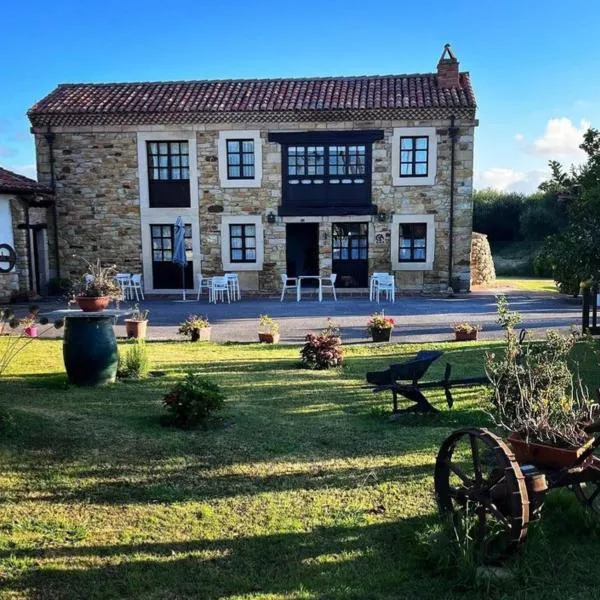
x,y
8,258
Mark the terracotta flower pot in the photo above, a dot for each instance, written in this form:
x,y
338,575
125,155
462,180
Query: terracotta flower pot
x,y
381,335
543,454
268,338
136,329
98,304
201,334
465,336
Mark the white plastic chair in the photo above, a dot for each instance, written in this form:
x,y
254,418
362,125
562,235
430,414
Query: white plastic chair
x,y
136,286
234,286
328,283
220,289
373,284
204,282
387,285
124,282
286,284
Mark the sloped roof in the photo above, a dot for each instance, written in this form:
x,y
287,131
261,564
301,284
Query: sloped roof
x,y
13,183
249,99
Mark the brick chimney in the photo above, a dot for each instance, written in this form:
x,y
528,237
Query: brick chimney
x,y
447,69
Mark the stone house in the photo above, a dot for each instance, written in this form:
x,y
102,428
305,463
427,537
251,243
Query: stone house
x,y
24,261
348,175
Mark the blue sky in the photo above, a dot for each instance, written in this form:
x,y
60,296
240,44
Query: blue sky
x,y
534,63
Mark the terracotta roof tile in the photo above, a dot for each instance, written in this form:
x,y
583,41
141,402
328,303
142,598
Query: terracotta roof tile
x,y
14,183
189,101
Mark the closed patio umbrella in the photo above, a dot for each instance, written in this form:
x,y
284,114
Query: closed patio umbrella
x,y
179,255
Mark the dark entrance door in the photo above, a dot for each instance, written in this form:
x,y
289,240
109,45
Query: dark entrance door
x,y
302,249
350,245
165,273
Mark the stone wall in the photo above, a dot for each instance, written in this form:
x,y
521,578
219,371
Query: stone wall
x,y
482,263
98,200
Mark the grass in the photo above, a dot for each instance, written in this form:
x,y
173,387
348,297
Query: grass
x,y
301,489
526,284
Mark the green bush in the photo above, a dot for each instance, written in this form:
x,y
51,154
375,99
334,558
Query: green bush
x,y
135,364
192,401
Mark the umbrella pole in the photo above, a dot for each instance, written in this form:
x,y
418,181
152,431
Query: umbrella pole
x,y
183,281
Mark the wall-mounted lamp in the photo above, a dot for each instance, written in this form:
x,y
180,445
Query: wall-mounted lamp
x,y
382,216
271,218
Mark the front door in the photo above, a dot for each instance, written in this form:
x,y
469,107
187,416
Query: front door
x,y
302,249
350,246
165,273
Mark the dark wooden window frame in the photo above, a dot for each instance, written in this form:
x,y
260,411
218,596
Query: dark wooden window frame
x,y
413,162
412,246
336,241
170,235
168,191
244,247
241,155
326,193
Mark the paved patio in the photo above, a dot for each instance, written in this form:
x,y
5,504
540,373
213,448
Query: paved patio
x,y
419,319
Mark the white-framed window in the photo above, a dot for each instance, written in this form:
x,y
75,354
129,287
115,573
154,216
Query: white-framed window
x,y
242,243
240,159
413,242
414,156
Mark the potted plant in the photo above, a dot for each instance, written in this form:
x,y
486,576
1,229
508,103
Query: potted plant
x,y
535,396
465,332
96,288
268,330
380,327
136,325
196,328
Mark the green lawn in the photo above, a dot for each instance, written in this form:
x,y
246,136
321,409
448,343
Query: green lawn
x,y
302,489
526,284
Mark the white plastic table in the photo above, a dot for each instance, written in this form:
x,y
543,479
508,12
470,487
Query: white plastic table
x,y
299,288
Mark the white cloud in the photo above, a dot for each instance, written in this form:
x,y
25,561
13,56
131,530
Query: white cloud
x,y
511,180
519,137
27,170
561,138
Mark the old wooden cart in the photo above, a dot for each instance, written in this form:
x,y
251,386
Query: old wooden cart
x,y
492,488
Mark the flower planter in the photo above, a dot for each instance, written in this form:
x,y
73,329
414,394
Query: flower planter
x,y
200,335
381,335
87,304
544,454
268,338
464,336
136,329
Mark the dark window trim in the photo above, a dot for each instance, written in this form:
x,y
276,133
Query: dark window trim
x,y
413,162
170,155
244,249
312,138
364,236
412,259
241,154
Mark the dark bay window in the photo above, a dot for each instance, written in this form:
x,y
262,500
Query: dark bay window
x,y
326,172
168,174
414,156
413,242
242,243
240,159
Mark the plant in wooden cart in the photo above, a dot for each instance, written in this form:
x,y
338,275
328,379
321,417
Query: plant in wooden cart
x,y
535,395
96,287
324,350
192,401
379,327
195,327
268,330
16,333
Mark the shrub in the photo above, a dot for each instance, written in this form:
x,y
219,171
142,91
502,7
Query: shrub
x,y
465,328
322,351
136,363
191,324
534,393
380,321
266,324
192,400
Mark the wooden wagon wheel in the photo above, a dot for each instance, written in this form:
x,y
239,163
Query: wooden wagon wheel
x,y
479,484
